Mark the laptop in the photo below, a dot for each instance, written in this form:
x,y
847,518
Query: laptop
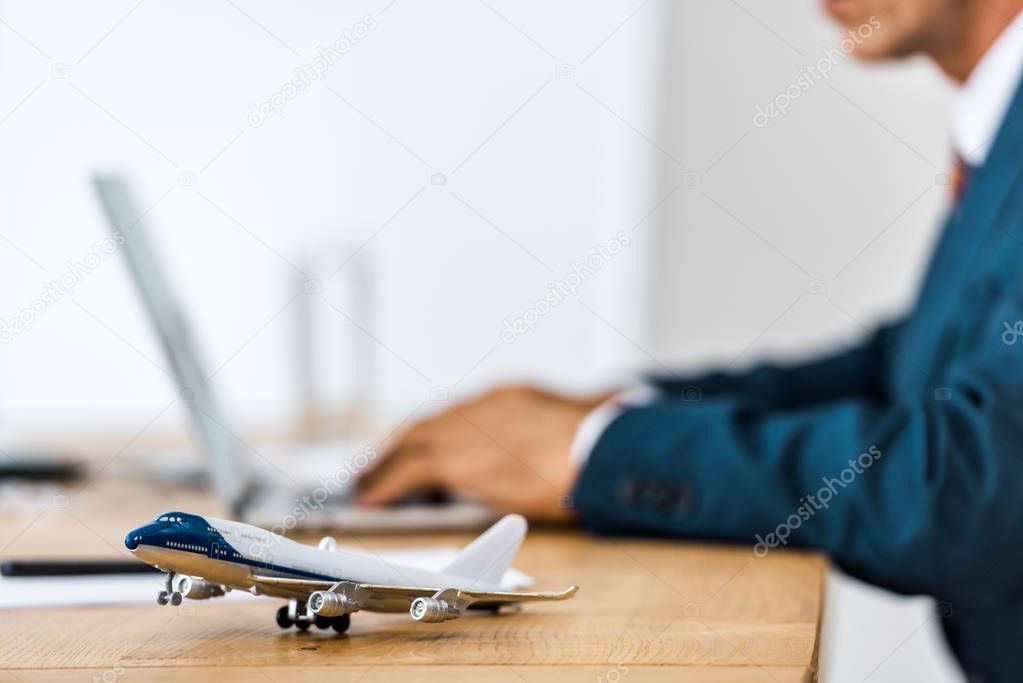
x,y
265,486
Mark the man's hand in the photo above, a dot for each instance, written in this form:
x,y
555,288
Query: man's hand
x,y
509,448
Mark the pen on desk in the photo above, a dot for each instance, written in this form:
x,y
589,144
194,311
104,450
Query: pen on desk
x,y
40,468
73,567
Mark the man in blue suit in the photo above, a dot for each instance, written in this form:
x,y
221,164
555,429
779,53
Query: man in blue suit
x,y
902,458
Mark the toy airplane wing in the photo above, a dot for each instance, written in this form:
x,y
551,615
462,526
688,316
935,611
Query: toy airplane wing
x,y
373,590
427,604
451,603
499,597
462,597
293,584
350,589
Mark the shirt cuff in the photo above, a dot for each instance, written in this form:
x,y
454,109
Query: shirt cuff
x,y
600,418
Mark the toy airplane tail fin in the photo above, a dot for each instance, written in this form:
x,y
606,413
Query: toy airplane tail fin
x,y
484,560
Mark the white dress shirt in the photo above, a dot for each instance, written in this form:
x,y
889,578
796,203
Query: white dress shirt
x,y
979,110
985,97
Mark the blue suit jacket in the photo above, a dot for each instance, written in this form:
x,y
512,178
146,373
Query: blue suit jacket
x,y
901,458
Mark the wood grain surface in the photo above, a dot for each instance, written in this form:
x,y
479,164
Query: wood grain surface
x,y
646,610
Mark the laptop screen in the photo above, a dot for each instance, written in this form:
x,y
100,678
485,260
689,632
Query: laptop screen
x,y
212,430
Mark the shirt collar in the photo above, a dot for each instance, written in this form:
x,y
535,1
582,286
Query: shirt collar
x,y
985,97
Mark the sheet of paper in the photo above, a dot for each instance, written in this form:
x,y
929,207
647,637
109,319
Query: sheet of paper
x,y
66,591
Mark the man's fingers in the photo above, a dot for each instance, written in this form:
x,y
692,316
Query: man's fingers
x,y
416,434
402,472
390,458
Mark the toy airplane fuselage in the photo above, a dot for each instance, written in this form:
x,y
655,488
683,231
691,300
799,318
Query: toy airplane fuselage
x,y
204,557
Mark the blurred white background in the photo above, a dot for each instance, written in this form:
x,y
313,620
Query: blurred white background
x,y
467,153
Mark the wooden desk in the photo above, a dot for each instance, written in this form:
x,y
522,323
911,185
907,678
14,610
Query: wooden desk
x,y
646,611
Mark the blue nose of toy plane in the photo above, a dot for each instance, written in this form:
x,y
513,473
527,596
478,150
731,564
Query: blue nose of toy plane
x,y
162,529
141,536
132,540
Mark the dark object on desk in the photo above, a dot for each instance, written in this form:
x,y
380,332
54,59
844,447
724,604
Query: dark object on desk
x,y
74,567
39,467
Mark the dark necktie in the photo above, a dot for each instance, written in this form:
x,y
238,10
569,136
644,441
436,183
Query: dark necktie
x,y
961,173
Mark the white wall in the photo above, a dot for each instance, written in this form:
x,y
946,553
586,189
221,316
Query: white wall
x,y
850,168
842,188
539,170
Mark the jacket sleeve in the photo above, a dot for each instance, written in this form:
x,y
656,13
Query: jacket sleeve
x,y
855,371
909,494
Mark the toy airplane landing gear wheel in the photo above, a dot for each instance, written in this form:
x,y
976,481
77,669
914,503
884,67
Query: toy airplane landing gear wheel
x,y
168,593
322,623
283,620
341,623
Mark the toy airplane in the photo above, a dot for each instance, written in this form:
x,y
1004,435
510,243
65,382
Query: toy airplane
x,y
205,557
